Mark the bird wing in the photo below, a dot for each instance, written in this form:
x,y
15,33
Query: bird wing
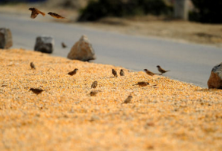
x,y
163,70
34,14
56,16
150,73
71,72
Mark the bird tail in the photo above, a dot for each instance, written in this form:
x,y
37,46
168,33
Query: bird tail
x,y
61,17
43,14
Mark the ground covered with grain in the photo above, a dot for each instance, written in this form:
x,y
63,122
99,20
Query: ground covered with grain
x,y
169,116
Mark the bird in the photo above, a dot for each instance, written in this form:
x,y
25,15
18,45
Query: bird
x,y
161,70
114,73
35,12
94,92
54,15
121,72
32,65
37,91
128,99
149,72
142,84
94,84
63,45
73,72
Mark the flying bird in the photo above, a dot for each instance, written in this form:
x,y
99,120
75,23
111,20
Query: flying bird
x,y
35,12
37,91
142,84
32,65
114,73
121,72
73,72
161,70
149,72
54,15
94,84
128,99
63,45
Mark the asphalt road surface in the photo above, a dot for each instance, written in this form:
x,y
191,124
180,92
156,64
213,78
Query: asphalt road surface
x,y
190,63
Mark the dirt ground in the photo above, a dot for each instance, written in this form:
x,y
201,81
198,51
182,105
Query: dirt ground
x,y
165,115
159,27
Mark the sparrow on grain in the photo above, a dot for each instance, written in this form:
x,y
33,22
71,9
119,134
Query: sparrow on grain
x,y
55,15
128,99
35,12
161,70
149,72
32,65
73,72
121,72
94,92
94,84
142,84
63,45
37,91
114,73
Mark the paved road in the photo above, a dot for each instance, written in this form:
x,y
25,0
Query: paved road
x,y
187,62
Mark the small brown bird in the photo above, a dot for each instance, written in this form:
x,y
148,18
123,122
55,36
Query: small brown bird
x,y
94,92
114,73
63,45
161,70
128,99
94,84
55,15
37,91
121,72
35,12
32,65
142,84
73,72
149,72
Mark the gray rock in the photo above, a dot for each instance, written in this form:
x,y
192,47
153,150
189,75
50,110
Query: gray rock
x,y
5,38
44,44
215,80
82,50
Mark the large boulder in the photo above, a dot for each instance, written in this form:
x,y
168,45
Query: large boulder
x,y
5,38
44,44
82,50
215,80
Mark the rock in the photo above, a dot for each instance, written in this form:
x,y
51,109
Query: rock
x,y
82,50
44,44
5,38
215,80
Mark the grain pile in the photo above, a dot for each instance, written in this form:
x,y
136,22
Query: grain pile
x,y
170,116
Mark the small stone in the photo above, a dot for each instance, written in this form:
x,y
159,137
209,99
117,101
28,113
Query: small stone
x,y
5,38
44,44
82,50
215,80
